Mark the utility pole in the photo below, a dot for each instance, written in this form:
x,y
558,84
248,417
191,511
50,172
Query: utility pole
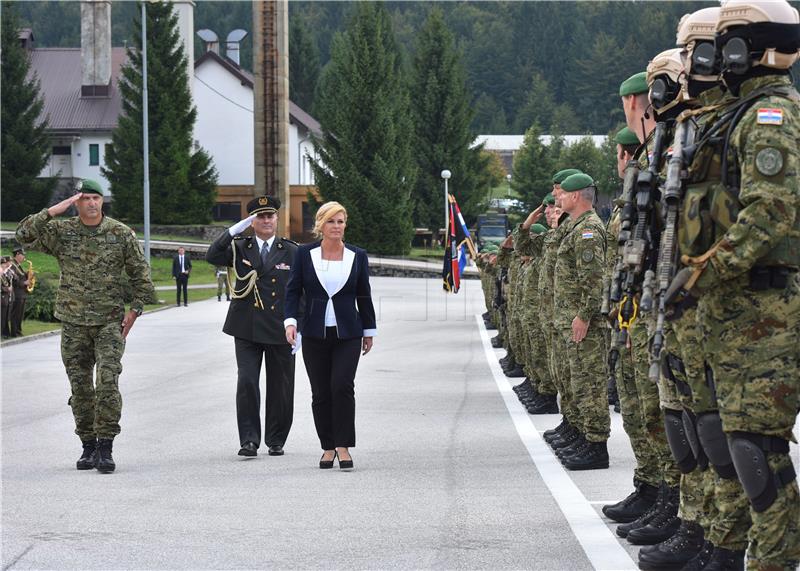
x,y
145,137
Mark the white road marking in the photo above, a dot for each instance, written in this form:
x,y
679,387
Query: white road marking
x,y
601,547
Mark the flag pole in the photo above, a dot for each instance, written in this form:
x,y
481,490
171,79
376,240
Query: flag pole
x,y
446,176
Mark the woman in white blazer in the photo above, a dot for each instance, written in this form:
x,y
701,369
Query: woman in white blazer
x,y
339,323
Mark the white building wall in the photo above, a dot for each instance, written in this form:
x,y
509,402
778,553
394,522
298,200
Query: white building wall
x,y
76,164
224,125
300,148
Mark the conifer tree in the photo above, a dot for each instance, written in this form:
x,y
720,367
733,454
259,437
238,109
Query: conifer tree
x,y
303,64
442,136
534,166
365,147
182,179
25,146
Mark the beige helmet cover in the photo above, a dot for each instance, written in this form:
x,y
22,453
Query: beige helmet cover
x,y
669,63
744,12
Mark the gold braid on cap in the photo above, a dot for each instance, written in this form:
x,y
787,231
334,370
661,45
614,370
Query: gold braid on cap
x,y
250,278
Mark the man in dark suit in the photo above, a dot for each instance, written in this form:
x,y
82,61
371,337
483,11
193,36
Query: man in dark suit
x,y
181,268
261,263
20,284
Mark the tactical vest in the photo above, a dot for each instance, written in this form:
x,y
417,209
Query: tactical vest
x,y
711,204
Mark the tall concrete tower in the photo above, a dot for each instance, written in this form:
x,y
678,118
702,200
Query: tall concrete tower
x,y
271,92
95,48
185,11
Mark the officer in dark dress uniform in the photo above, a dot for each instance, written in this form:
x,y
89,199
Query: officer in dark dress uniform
x,y
261,262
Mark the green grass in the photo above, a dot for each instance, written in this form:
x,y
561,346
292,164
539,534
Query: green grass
x,y
32,327
46,267
426,254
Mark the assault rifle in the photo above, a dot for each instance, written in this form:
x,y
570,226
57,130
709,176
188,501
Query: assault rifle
x,y
677,173
638,251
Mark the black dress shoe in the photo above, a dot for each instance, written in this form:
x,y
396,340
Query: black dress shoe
x,y
326,464
249,449
275,450
345,465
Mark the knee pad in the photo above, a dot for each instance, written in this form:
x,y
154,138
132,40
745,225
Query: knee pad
x,y
749,454
715,444
678,441
689,425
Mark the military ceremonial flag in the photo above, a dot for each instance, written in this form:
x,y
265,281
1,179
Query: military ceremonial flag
x,y
458,245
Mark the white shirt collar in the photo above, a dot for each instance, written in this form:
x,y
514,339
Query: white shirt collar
x,y
260,242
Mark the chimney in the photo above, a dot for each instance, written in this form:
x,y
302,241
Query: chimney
x,y
210,39
26,39
232,45
185,11
95,48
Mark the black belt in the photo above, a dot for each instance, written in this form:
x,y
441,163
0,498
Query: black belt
x,y
770,277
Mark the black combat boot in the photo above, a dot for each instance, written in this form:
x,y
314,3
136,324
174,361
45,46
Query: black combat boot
x,y
497,342
593,456
505,361
522,387
105,463
88,457
700,560
662,526
552,433
565,439
624,529
676,551
515,372
632,507
725,560
572,448
548,404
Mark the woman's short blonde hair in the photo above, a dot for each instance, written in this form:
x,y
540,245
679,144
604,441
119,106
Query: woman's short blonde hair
x,y
325,213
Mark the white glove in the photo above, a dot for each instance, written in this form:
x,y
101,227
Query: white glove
x,y
241,226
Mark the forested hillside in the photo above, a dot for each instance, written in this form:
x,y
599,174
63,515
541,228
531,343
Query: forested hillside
x,y
555,63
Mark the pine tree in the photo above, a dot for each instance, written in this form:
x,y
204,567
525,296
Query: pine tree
x,y
534,166
182,181
25,146
442,138
367,135
303,64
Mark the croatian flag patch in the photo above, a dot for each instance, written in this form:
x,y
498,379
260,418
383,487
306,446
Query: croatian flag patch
x,y
587,235
767,116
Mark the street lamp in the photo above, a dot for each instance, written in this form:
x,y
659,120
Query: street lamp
x,y
508,178
446,174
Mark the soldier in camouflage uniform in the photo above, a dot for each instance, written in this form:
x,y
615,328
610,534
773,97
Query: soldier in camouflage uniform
x,y
96,255
567,431
647,473
578,275
746,279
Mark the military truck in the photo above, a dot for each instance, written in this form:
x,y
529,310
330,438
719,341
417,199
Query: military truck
x,y
491,228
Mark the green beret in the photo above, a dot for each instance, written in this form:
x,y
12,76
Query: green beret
x,y
90,186
626,137
637,83
576,182
548,200
559,177
537,228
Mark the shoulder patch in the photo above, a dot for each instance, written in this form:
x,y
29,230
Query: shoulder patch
x,y
587,255
769,116
587,234
769,161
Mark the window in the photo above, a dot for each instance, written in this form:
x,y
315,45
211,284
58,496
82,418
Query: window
x,y
62,150
94,155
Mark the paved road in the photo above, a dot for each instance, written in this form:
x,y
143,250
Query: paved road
x,y
450,471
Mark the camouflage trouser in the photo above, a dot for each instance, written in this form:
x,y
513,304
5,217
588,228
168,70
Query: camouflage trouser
x,y
96,406
648,462
649,399
538,354
692,499
222,284
516,339
561,376
587,370
751,341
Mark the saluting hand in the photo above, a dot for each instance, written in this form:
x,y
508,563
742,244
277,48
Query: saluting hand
x,y
64,205
533,217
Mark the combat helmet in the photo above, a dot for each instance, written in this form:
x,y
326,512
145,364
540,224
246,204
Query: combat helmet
x,y
696,33
752,33
666,80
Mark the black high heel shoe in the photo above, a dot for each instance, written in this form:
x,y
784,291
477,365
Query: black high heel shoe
x,y
327,464
345,465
